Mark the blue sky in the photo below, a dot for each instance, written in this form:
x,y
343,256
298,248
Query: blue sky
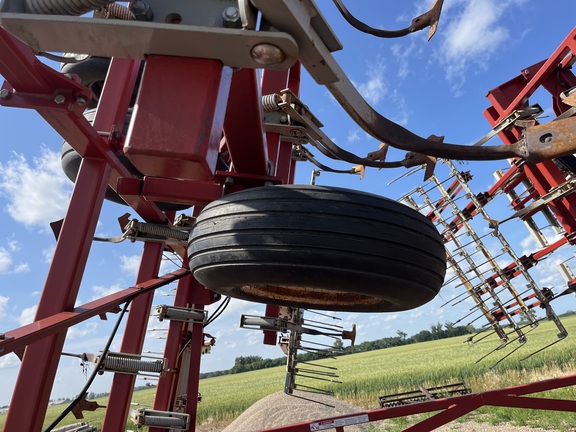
x,y
435,87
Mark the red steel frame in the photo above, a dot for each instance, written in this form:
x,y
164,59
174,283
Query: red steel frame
x,y
234,108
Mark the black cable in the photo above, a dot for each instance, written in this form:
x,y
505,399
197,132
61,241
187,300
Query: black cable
x,y
305,154
94,373
221,308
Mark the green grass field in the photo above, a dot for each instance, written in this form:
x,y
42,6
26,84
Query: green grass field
x,y
367,375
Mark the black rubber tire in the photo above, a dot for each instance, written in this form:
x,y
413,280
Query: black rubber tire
x,y
317,247
92,73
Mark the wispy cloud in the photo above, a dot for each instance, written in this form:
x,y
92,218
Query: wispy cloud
x,y
3,306
37,192
130,264
375,86
27,315
353,136
5,260
7,263
102,291
472,34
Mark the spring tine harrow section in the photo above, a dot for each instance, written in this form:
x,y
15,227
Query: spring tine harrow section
x,y
476,262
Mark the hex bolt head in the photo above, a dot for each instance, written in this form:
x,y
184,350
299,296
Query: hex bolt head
x,y
60,99
138,6
5,94
81,101
231,14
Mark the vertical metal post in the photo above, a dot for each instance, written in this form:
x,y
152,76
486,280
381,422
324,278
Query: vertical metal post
x,y
40,361
198,299
133,340
196,342
164,399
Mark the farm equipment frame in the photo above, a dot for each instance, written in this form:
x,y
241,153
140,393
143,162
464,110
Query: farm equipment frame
x,y
215,96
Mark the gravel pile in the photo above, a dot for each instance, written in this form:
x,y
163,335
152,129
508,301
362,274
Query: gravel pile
x,y
279,409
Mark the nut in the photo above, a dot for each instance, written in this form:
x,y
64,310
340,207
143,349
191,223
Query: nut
x,y
5,94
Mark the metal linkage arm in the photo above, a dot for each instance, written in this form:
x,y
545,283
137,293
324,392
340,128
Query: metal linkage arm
x,y
300,20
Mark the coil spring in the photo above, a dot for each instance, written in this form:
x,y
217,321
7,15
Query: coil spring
x,y
162,231
164,422
270,102
117,11
130,365
64,7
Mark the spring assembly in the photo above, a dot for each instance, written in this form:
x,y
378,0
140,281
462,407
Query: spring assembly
x,y
64,7
161,231
115,11
129,365
270,102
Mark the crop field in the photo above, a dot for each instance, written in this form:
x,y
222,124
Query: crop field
x,y
367,375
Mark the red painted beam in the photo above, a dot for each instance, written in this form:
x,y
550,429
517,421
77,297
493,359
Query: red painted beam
x,y
244,125
21,337
177,122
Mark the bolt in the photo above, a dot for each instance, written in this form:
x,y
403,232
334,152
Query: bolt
x,y
138,6
526,71
142,10
231,14
60,99
81,101
284,119
295,132
5,94
546,138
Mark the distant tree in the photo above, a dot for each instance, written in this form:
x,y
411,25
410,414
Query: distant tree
x,y
437,331
422,336
402,335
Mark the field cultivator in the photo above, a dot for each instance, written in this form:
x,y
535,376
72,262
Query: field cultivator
x,y
198,106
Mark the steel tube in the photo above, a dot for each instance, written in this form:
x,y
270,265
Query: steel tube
x,y
59,294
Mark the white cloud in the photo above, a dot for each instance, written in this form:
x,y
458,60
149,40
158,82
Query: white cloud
x,y
5,260
3,306
21,268
48,253
81,331
9,361
102,291
473,36
6,263
14,245
37,193
353,136
130,264
375,87
404,52
27,315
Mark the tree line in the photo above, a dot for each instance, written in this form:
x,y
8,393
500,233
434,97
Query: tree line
x,y
437,331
